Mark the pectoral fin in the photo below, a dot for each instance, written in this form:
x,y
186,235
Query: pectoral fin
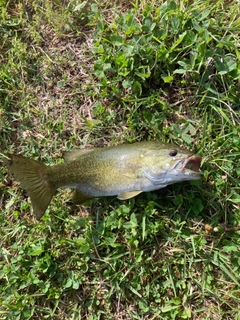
x,y
128,195
79,197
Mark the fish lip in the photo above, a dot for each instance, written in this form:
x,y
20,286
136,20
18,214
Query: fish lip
x,y
191,163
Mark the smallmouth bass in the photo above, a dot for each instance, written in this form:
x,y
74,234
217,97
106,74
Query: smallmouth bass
x,y
124,171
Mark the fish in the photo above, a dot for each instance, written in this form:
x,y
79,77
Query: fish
x,y
124,171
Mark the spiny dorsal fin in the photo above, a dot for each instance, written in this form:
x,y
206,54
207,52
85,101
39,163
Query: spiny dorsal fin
x,y
128,194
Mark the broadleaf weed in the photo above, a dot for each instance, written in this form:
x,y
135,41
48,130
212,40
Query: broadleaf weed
x,y
95,74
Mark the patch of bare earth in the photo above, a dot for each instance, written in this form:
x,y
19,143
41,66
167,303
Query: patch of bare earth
x,y
65,78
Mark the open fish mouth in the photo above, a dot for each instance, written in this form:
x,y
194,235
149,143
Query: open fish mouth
x,y
191,163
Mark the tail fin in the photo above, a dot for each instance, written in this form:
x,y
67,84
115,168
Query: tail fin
x,y
33,177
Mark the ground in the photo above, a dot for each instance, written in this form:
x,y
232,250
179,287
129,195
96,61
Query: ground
x,y
92,74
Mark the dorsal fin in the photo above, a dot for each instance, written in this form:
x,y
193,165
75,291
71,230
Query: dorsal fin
x,y
76,154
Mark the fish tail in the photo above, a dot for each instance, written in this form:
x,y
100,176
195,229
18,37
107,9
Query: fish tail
x,y
33,177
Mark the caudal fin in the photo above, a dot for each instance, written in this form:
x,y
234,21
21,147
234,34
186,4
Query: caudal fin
x,y
34,178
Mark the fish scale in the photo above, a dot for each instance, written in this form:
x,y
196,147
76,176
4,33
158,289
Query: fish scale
x,y
124,171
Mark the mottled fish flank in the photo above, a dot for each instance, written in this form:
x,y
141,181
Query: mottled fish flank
x,y
125,171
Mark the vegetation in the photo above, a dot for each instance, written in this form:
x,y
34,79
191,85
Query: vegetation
x,y
97,73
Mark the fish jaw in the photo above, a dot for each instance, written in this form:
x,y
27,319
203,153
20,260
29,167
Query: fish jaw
x,y
188,169
183,169
192,164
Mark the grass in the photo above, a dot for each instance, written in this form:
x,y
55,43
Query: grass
x,y
96,74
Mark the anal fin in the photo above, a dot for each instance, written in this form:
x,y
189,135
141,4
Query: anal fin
x,y
80,197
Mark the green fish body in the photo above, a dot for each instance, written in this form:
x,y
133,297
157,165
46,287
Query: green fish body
x,y
125,170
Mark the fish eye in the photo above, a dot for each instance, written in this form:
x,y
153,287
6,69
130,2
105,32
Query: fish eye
x,y
173,153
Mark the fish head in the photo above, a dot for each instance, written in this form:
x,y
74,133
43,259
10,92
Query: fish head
x,y
171,165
